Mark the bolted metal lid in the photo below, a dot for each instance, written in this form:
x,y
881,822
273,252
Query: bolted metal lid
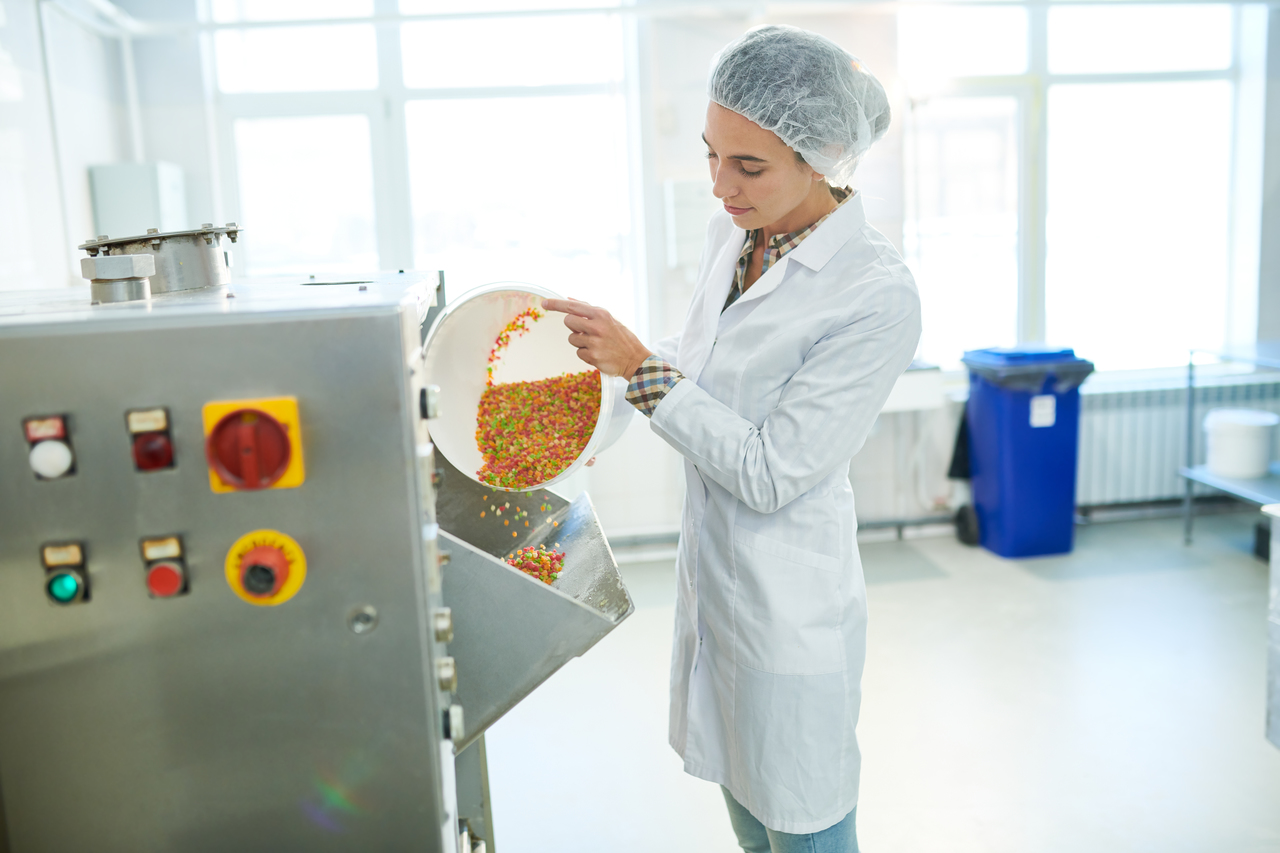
x,y
104,244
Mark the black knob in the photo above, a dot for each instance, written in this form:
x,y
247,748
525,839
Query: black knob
x,y
260,579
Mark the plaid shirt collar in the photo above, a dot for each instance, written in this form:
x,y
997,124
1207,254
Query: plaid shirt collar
x,y
777,246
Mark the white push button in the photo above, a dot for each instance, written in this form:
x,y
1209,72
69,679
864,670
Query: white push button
x,y
51,459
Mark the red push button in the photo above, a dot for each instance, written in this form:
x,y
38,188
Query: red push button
x,y
165,580
152,451
249,449
263,571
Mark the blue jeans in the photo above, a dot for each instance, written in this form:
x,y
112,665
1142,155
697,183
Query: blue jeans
x,y
754,837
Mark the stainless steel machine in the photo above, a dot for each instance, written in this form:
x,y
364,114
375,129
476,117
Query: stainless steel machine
x,y
244,605
1273,631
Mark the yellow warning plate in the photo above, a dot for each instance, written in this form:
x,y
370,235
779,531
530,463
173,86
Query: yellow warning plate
x,y
271,470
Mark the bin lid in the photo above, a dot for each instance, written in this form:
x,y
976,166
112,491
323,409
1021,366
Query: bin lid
x,y
1025,354
1029,366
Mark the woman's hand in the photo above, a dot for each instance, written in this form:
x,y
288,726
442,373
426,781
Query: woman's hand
x,y
602,341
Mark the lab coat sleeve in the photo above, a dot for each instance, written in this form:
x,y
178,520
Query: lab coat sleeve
x,y
620,416
623,410
822,418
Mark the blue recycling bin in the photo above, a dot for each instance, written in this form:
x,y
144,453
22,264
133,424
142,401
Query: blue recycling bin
x,y
1024,422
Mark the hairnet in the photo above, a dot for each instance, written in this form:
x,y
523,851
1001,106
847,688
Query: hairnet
x,y
812,93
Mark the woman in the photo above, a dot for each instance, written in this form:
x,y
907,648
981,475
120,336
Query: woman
x,y
802,318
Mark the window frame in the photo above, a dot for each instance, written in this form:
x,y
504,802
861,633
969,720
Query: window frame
x,y
384,109
1031,90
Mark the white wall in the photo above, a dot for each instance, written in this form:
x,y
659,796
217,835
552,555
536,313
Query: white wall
x,y
32,231
88,115
175,126
1269,265
51,131
32,228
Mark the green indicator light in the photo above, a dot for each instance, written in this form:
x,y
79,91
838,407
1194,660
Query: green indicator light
x,y
64,588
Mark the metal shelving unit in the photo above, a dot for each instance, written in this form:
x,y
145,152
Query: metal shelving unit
x,y
1262,491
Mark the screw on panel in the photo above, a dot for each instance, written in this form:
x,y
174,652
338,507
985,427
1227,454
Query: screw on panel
x,y
454,727
362,619
447,674
442,624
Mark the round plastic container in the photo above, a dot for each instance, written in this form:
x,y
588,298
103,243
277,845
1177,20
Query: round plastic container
x,y
1239,442
456,355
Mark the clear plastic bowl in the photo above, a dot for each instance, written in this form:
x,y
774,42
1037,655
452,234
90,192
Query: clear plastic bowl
x,y
456,354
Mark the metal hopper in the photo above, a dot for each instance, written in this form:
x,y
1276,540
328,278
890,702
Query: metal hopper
x,y
512,632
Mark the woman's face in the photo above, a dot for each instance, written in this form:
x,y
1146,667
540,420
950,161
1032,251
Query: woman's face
x,y
753,172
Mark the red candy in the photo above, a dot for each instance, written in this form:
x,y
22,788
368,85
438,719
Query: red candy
x,y
531,432
538,562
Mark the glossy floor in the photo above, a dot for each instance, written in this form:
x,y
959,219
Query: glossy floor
x,y
1111,700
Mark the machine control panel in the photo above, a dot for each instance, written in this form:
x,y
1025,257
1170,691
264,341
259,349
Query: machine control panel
x,y
253,444
170,499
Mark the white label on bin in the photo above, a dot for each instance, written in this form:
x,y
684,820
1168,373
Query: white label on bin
x,y
1044,410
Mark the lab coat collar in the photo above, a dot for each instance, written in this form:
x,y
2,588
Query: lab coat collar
x,y
822,245
814,252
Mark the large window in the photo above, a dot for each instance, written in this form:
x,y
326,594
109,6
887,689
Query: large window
x,y
1079,157
493,148
538,201
962,208
325,225
1137,262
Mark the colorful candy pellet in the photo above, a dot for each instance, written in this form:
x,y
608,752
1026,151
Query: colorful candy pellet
x,y
541,563
530,432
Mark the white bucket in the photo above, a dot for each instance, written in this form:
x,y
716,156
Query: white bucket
x,y
1239,442
456,356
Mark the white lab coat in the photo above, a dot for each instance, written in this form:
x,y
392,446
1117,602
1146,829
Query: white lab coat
x,y
770,629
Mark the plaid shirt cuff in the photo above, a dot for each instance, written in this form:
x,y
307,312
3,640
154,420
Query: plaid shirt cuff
x,y
651,383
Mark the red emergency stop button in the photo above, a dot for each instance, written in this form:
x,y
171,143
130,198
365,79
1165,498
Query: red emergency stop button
x,y
263,571
249,449
165,579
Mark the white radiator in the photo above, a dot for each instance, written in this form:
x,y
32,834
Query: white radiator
x,y
1132,441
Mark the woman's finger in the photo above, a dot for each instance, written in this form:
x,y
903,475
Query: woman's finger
x,y
569,306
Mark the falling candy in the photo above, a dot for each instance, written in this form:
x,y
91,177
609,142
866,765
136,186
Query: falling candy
x,y
518,327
